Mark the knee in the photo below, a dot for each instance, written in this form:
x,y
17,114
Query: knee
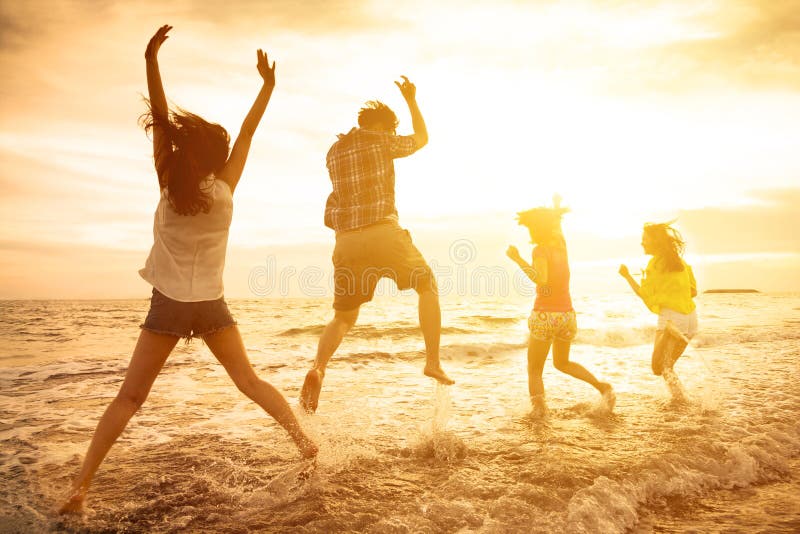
x,y
131,400
535,366
561,365
248,385
657,369
346,319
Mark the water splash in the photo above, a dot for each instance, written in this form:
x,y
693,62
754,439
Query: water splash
x,y
675,387
284,488
434,440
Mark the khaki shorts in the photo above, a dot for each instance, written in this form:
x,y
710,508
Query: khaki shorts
x,y
365,255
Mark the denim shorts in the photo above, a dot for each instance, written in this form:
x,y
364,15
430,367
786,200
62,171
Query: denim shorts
x,y
186,319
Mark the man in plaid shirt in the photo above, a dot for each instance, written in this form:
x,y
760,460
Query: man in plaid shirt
x,y
370,244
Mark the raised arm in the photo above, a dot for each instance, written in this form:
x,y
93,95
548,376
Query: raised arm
x,y
232,171
158,101
409,92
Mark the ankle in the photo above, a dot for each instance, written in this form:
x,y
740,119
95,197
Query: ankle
x,y
433,362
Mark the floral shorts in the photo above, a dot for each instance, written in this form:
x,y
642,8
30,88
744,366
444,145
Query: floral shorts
x,y
549,326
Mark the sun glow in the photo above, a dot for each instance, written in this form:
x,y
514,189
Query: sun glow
x,y
631,112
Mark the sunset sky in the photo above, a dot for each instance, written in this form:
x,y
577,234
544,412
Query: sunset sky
x,y
633,111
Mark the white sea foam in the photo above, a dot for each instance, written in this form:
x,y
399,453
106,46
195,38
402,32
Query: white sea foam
x,y
614,505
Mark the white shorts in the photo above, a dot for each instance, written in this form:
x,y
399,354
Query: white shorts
x,y
685,322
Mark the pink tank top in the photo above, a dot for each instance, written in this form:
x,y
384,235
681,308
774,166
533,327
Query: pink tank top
x,y
554,295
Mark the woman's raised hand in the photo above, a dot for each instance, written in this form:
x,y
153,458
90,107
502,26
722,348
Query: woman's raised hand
x,y
266,72
513,253
156,41
623,270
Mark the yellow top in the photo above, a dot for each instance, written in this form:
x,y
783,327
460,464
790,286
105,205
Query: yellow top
x,y
662,288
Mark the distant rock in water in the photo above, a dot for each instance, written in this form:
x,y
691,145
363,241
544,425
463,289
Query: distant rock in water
x,y
731,291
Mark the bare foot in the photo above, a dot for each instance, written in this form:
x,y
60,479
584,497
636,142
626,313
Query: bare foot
x,y
438,374
539,406
74,504
307,470
609,397
308,449
309,395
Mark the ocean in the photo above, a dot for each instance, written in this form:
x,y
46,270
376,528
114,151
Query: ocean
x,y
397,452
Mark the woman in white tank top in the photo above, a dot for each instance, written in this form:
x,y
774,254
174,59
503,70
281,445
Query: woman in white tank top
x,y
197,178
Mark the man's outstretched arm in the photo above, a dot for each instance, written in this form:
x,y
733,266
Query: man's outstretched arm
x,y
409,92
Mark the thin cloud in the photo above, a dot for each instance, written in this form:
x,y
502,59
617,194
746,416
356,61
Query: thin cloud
x,y
749,43
769,225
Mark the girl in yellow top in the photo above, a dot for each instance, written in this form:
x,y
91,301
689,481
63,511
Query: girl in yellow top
x,y
668,287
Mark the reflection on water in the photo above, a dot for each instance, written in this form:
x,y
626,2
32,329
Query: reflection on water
x,y
399,453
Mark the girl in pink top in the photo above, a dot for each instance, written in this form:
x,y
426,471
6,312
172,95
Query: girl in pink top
x,y
552,321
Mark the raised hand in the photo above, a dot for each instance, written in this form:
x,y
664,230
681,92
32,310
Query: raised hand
x,y
513,253
156,41
623,270
266,72
407,89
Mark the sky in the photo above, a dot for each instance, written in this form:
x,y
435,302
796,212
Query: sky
x,y
632,111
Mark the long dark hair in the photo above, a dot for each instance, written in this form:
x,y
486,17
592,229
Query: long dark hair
x,y
668,243
198,148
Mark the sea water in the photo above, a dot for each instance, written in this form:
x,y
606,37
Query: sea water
x,y
397,452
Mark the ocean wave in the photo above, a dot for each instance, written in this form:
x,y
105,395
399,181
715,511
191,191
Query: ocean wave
x,y
462,352
615,505
616,336
747,335
373,332
493,319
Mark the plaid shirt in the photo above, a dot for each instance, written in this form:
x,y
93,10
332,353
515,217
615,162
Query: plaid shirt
x,y
361,168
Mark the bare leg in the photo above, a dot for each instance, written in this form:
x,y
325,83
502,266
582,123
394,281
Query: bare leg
x,y
661,349
148,358
430,321
563,364
227,346
329,341
537,354
675,348
672,345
